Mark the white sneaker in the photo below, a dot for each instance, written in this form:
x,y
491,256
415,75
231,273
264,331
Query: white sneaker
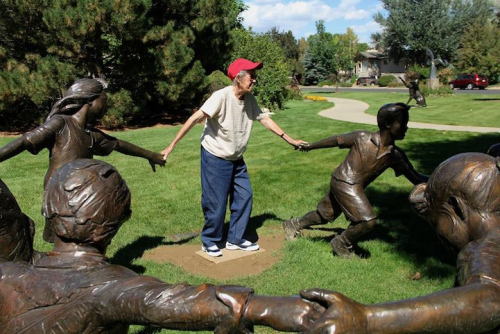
x,y
244,245
212,250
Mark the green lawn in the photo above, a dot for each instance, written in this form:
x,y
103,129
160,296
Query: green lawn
x,y
455,109
286,183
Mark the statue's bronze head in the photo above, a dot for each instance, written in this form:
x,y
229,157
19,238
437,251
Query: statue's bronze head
x,y
462,197
87,201
391,112
81,92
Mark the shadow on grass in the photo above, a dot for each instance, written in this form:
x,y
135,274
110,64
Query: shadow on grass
x,y
127,254
411,236
149,330
400,226
430,154
487,99
254,224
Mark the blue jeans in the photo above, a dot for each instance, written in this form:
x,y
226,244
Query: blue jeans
x,y
222,180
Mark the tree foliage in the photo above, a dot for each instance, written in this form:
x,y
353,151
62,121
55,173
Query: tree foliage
x,y
328,54
411,26
290,46
273,79
480,51
154,53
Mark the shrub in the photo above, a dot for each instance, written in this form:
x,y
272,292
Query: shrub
x,y
395,83
273,79
441,91
445,75
121,108
315,98
294,93
419,72
326,83
216,80
385,80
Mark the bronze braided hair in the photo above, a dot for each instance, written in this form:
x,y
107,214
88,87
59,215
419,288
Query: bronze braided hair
x,y
81,92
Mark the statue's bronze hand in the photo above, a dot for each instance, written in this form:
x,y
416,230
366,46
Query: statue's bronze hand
x,y
156,159
306,147
343,315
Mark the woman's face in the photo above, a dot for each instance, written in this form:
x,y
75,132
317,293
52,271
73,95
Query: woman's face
x,y
97,108
247,82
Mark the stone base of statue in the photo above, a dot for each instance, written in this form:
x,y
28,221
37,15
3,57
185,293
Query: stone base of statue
x,y
433,83
228,255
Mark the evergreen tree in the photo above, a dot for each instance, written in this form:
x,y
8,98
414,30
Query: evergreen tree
x,y
329,54
320,58
290,48
154,53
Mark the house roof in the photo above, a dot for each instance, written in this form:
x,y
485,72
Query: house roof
x,y
372,54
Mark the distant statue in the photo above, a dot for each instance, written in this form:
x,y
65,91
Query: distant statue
x,y
461,201
69,133
74,289
370,154
414,92
433,79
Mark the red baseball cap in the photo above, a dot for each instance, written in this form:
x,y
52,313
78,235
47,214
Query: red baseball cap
x,y
241,64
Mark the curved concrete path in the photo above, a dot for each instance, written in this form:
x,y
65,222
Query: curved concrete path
x,y
350,110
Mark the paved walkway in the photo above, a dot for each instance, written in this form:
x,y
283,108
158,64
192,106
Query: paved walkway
x,y
350,110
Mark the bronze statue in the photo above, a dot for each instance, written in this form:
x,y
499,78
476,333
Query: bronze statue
x,y
414,92
16,229
462,202
69,133
494,150
73,289
370,153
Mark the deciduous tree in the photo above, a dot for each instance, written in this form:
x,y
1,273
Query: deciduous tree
x,y
273,79
411,26
480,51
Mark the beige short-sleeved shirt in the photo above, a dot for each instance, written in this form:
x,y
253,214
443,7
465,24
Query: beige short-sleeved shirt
x,y
227,130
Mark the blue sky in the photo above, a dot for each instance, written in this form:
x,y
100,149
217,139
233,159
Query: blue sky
x,y
300,16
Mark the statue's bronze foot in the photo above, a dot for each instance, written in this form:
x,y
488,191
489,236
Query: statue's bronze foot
x,y
292,229
342,247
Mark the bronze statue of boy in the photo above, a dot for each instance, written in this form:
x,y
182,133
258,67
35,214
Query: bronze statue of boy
x,y
414,92
461,201
370,154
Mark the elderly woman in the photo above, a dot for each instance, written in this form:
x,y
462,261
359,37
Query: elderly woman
x,y
462,201
69,133
228,115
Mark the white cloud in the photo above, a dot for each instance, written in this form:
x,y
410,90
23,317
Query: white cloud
x,y
365,30
295,15
350,10
369,27
264,1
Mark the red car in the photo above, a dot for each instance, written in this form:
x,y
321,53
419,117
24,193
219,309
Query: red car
x,y
469,81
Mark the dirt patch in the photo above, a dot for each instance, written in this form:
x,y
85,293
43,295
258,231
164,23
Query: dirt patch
x,y
185,257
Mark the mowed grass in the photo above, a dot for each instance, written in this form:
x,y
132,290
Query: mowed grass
x,y
454,109
286,183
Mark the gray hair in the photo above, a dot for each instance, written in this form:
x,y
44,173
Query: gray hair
x,y
238,76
